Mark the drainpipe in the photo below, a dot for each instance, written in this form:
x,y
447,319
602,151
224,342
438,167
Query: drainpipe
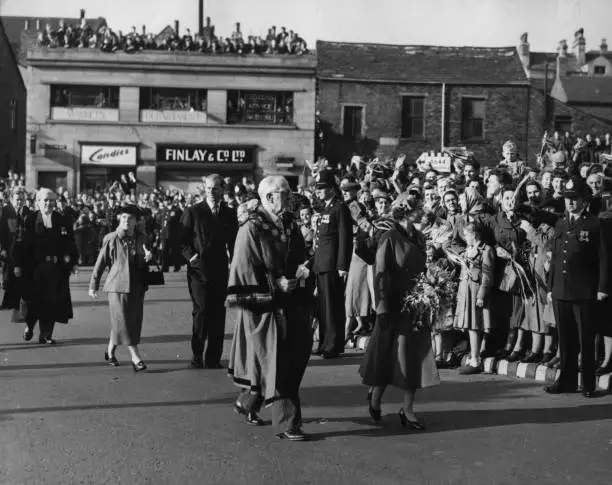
x,y
443,118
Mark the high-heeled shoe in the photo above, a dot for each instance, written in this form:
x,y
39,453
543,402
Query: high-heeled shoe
x,y
112,360
139,367
375,414
408,423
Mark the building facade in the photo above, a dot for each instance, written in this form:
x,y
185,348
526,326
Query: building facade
x,y
388,99
12,109
171,117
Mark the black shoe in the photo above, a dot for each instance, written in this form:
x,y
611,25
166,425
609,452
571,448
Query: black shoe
x,y
112,360
556,388
409,424
375,414
292,435
603,370
331,355
485,354
46,340
213,366
591,394
532,358
196,363
547,357
252,419
28,334
554,363
503,354
514,356
141,366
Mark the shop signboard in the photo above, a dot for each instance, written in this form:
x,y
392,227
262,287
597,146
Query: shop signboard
x,y
108,155
205,154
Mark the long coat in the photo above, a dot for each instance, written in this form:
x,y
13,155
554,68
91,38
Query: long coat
x,y
265,318
398,354
11,231
47,257
333,244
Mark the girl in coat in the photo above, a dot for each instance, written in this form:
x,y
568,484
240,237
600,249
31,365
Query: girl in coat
x,y
124,251
473,305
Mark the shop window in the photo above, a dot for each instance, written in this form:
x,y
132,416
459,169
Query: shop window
x,y
260,107
563,123
173,99
472,119
413,116
81,96
352,121
600,70
52,180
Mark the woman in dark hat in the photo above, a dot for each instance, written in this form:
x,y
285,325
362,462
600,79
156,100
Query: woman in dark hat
x,y
125,252
399,353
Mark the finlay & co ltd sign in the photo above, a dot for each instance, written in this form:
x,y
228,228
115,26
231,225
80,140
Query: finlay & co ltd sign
x,y
108,155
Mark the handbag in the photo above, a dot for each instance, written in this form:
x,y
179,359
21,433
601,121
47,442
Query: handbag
x,y
508,279
155,278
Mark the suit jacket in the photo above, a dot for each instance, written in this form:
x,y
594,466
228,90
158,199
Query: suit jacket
x,y
11,228
210,237
333,244
580,259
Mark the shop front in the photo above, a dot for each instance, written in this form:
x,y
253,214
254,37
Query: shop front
x,y
102,164
181,167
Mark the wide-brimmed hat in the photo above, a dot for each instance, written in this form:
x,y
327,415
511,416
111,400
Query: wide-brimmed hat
x,y
576,188
325,178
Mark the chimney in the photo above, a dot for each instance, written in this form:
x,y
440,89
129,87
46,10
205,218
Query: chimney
x,y
523,50
201,18
144,30
37,25
604,46
238,27
207,21
82,13
176,27
27,25
562,59
579,47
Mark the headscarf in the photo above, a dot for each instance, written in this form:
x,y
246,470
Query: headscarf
x,y
472,202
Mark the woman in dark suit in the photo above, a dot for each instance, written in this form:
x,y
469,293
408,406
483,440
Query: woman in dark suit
x,y
45,258
124,251
398,354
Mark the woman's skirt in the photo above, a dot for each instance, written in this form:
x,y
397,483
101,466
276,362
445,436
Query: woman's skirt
x,y
399,356
126,313
357,297
535,312
468,316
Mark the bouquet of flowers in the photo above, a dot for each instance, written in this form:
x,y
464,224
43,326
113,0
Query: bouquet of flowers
x,y
432,291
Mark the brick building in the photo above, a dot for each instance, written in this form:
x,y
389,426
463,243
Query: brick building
x,y
389,99
171,117
12,108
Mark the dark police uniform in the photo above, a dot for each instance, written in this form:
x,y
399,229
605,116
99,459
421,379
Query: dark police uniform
x,y
333,248
579,270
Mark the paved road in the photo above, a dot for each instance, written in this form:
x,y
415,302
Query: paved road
x,y
67,418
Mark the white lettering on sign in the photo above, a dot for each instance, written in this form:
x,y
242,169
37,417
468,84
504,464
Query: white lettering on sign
x,y
84,114
119,155
154,116
203,155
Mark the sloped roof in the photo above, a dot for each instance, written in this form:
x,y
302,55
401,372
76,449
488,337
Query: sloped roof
x,y
587,89
418,63
15,28
538,61
591,55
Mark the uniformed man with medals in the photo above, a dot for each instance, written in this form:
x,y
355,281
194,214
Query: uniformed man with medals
x,y
578,279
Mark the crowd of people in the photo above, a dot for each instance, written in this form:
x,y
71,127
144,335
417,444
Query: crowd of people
x,y
510,261
107,40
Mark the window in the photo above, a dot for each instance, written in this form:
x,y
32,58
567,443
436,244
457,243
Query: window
x,y
600,70
99,97
413,116
13,114
173,99
472,119
352,121
260,107
563,123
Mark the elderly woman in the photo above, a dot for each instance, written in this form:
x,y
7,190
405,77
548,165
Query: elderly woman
x,y
399,353
44,258
124,251
272,337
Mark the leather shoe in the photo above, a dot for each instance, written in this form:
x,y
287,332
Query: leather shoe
x,y
213,366
196,363
514,356
331,355
590,394
556,388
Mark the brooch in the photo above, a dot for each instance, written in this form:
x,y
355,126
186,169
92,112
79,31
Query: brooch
x,y
584,236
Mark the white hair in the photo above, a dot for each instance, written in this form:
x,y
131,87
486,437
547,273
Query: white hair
x,y
272,183
43,193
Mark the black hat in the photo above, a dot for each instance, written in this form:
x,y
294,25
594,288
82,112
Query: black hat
x,y
325,178
576,188
128,209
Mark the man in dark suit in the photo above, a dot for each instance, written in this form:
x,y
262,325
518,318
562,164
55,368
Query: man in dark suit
x,y
333,248
578,279
208,233
12,223
170,235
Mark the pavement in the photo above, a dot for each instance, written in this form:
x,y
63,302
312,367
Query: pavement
x,y
68,418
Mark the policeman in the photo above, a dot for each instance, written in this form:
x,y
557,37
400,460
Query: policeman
x,y
333,250
578,279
